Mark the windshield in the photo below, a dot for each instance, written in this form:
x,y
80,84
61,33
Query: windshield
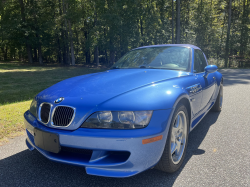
x,y
171,57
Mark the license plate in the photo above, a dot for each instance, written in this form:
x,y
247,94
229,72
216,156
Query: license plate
x,y
47,141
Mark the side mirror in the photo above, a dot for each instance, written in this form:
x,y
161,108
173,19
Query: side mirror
x,y
210,69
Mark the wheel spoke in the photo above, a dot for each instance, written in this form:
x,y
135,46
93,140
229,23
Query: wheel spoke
x,y
179,135
173,136
177,123
174,131
173,147
178,145
180,126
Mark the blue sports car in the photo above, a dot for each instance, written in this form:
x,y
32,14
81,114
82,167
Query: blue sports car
x,y
132,117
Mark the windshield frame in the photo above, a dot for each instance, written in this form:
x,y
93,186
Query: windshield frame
x,y
155,46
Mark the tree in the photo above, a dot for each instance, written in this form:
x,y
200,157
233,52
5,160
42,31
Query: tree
x,y
228,32
28,47
178,25
173,22
100,32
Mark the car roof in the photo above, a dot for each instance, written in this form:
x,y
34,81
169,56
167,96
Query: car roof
x,y
162,45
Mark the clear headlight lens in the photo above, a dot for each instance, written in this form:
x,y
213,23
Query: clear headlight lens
x,y
105,117
33,108
118,120
126,117
143,117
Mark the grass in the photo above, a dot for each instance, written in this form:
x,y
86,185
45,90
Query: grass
x,y
19,84
11,120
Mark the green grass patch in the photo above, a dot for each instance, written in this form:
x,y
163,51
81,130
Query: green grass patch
x,y
20,83
11,119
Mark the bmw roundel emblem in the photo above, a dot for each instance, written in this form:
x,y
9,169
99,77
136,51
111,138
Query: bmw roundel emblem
x,y
59,100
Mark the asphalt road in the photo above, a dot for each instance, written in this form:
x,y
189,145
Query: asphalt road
x,y
218,152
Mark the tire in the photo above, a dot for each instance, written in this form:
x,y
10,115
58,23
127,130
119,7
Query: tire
x,y
171,160
219,100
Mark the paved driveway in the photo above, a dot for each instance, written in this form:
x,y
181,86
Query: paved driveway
x,y
218,152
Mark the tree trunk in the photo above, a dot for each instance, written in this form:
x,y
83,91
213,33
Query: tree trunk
x,y
178,25
112,52
96,52
59,57
112,57
35,55
28,48
243,35
87,56
13,53
172,21
187,21
29,52
221,38
6,53
87,50
76,52
71,45
228,32
62,50
40,59
66,46
141,31
106,55
96,58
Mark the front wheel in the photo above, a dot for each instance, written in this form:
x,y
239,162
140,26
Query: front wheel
x,y
176,145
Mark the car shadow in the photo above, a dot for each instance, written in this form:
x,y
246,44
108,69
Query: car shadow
x,y
32,169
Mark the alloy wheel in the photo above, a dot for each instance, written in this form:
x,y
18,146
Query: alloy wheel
x,y
178,137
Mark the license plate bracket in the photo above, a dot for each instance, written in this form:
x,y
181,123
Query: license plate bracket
x,y
47,141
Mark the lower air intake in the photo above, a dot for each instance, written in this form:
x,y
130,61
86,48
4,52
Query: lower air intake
x,y
62,116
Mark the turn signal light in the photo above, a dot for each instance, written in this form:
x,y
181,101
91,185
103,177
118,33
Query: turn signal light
x,y
150,140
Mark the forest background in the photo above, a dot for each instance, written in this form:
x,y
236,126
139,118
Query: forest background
x,y
99,32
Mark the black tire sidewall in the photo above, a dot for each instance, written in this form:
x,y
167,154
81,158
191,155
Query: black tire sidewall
x,y
217,107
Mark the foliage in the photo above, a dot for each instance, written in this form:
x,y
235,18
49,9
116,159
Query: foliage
x,y
19,83
85,30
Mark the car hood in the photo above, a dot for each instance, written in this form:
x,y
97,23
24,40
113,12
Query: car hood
x,y
96,88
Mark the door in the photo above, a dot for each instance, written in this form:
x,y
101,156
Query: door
x,y
207,84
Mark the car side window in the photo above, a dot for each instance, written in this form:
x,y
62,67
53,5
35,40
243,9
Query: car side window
x,y
199,61
196,62
203,60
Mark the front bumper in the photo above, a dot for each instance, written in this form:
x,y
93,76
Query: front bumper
x,y
114,153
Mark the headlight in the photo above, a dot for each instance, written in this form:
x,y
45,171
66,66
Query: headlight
x,y
33,108
126,117
104,117
118,120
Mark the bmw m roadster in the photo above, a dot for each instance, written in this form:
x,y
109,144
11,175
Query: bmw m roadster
x,y
132,117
